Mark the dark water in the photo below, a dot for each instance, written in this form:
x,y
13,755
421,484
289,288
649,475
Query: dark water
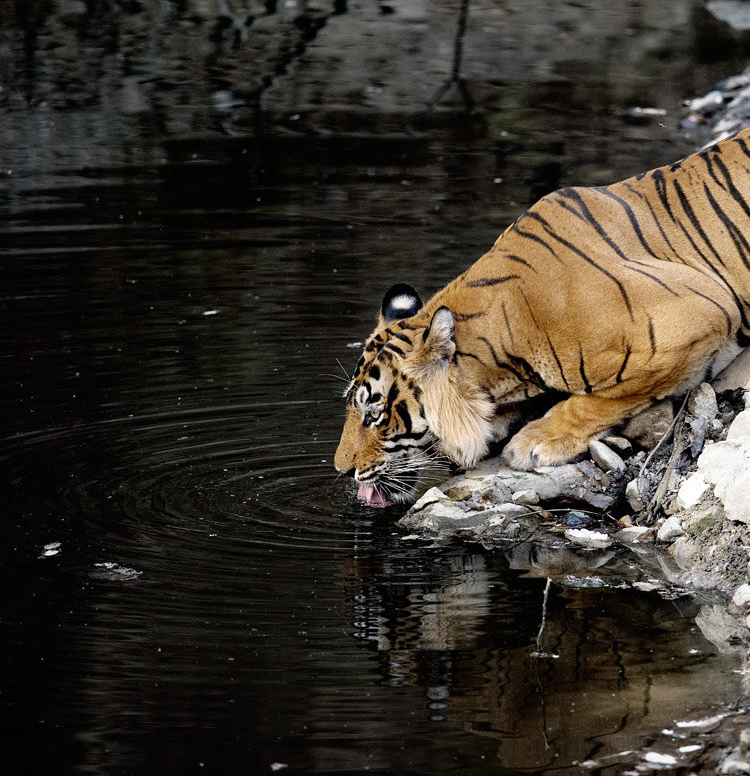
x,y
202,204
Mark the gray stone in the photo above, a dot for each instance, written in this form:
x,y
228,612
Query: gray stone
x,y
605,457
528,496
647,427
722,629
492,488
619,444
670,530
702,518
702,402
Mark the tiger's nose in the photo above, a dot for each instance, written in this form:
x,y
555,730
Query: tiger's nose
x,y
349,472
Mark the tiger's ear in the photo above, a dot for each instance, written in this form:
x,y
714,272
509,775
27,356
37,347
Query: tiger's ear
x,y
438,346
400,301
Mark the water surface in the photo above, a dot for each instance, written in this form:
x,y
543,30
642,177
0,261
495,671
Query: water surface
x,y
202,206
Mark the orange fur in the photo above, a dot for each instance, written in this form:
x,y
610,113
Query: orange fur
x,y
615,296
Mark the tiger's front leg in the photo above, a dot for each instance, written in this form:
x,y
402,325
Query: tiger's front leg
x,y
565,430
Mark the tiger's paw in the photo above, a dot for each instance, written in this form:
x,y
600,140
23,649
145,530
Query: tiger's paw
x,y
535,445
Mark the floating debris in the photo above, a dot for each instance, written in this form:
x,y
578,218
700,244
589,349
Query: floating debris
x,y
113,571
583,582
53,548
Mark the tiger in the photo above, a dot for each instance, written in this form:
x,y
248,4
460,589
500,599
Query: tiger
x,y
600,300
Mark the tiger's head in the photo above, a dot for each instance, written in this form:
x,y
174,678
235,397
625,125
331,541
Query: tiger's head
x,y
409,409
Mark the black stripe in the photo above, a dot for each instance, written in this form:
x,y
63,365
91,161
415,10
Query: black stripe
x,y
743,144
656,220
467,316
659,181
501,364
588,387
535,238
623,365
401,409
590,219
525,367
395,348
529,308
742,246
558,363
590,261
506,320
651,334
399,336
482,282
705,156
735,193
653,277
393,394
393,443
713,302
687,207
520,260
632,219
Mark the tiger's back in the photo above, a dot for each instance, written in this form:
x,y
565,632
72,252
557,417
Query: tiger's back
x,y
614,296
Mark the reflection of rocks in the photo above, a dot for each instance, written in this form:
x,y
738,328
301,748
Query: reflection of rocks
x,y
546,672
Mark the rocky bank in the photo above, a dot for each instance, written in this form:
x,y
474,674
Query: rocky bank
x,y
670,493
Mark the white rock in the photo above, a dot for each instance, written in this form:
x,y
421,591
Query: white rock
x,y
670,530
634,497
588,538
605,457
739,428
726,466
691,490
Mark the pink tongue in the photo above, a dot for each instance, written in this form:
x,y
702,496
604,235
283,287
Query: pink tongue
x,y
370,496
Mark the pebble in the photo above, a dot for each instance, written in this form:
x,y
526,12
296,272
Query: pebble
x,y
635,533
528,496
741,596
605,457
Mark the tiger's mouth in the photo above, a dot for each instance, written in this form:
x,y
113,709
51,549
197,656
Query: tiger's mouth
x,y
373,497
